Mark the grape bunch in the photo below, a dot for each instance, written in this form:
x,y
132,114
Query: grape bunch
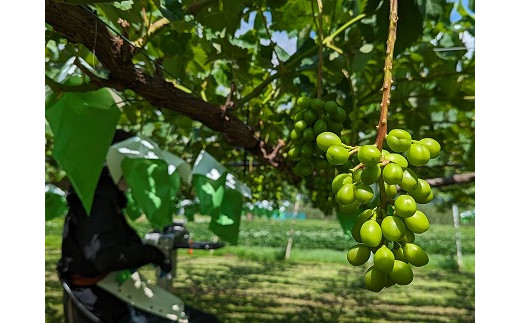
x,y
313,117
388,230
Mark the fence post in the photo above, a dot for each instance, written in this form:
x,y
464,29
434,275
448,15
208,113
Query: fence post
x,y
455,210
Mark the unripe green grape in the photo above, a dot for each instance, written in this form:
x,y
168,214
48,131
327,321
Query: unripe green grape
x,y
409,181
295,135
330,106
364,193
392,174
393,228
337,155
307,150
304,102
335,127
349,208
361,219
422,190
298,116
319,163
432,145
316,104
356,176
339,115
390,191
409,236
327,139
308,134
397,159
369,155
405,206
384,152
337,182
346,194
371,233
425,200
398,140
375,280
317,151
309,116
294,153
300,126
418,154
384,260
415,255
402,273
370,174
399,254
349,179
358,255
320,126
417,223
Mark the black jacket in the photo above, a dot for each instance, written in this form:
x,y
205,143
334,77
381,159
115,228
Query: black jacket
x,y
102,242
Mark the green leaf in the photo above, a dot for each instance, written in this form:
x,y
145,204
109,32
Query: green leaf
x,y
172,10
55,202
83,125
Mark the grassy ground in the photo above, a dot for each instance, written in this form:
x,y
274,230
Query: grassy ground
x,y
252,283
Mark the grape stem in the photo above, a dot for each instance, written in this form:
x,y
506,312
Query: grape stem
x,y
387,80
358,166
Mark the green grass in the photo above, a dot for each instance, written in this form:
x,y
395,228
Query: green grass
x,y
253,283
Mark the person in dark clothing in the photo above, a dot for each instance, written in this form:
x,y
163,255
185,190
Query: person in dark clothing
x,y
102,242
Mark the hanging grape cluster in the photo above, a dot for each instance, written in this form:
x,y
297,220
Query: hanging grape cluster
x,y
388,230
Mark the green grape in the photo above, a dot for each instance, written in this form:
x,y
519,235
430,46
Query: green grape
x,y
358,255
294,153
298,116
392,174
422,190
339,115
327,139
398,140
384,260
405,206
369,155
320,126
308,134
399,254
393,228
295,135
307,150
418,154
425,200
364,193
349,208
398,159
356,176
304,102
389,281
390,190
317,151
361,219
409,236
432,145
300,126
415,255
330,106
371,233
337,182
305,168
370,174
348,179
320,164
337,155
309,116
402,273
346,194
375,280
409,181
417,223
335,127
316,104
